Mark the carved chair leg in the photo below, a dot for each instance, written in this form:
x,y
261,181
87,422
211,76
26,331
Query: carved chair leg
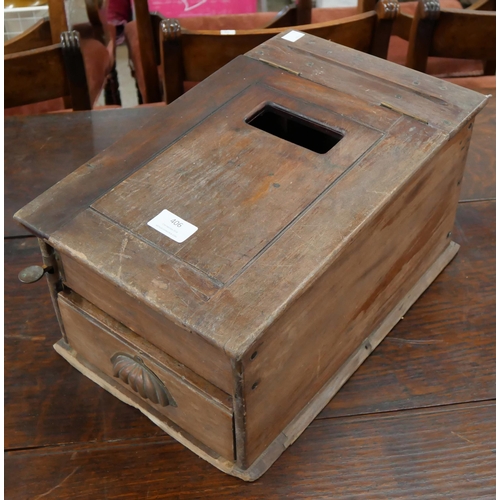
x,y
111,89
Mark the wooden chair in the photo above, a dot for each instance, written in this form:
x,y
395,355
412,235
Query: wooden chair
x,y
146,58
45,73
97,41
454,33
193,56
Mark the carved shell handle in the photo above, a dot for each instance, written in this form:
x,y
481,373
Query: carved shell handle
x,y
133,371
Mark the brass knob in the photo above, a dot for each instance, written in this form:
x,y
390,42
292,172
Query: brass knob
x,y
32,274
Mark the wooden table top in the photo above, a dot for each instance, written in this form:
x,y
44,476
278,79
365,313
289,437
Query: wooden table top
x,y
417,420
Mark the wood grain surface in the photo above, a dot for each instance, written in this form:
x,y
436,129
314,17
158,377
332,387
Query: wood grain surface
x,y
479,179
36,157
416,420
425,453
444,104
48,159
432,356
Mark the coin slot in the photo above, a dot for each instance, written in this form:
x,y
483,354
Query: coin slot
x,y
295,129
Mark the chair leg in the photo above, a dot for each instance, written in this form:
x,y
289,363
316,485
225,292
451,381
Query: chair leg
x,y
139,95
111,90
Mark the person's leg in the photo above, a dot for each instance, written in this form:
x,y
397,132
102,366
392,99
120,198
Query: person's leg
x,y
119,13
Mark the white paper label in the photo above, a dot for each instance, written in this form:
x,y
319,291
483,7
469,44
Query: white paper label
x,y
293,36
173,226
228,32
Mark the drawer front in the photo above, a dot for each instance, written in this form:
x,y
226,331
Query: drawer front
x,y
112,349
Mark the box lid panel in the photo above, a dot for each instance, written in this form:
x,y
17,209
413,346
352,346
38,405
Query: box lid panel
x,y
239,185
368,113
439,103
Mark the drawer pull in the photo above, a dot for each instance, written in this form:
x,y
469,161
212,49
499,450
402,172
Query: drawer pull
x,y
141,379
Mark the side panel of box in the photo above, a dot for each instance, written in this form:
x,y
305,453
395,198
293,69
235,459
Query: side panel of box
x,y
308,344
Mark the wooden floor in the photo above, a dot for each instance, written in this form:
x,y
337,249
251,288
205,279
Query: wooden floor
x,y
417,420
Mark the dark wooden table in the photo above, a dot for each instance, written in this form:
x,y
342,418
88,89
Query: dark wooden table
x,y
417,420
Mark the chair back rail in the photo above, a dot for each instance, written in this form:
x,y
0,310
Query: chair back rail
x,y
304,12
366,5
147,32
48,32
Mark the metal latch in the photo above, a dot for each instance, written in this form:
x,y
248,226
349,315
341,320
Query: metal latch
x,y
32,274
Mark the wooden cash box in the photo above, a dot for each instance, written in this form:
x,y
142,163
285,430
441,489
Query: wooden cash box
x,y
228,266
